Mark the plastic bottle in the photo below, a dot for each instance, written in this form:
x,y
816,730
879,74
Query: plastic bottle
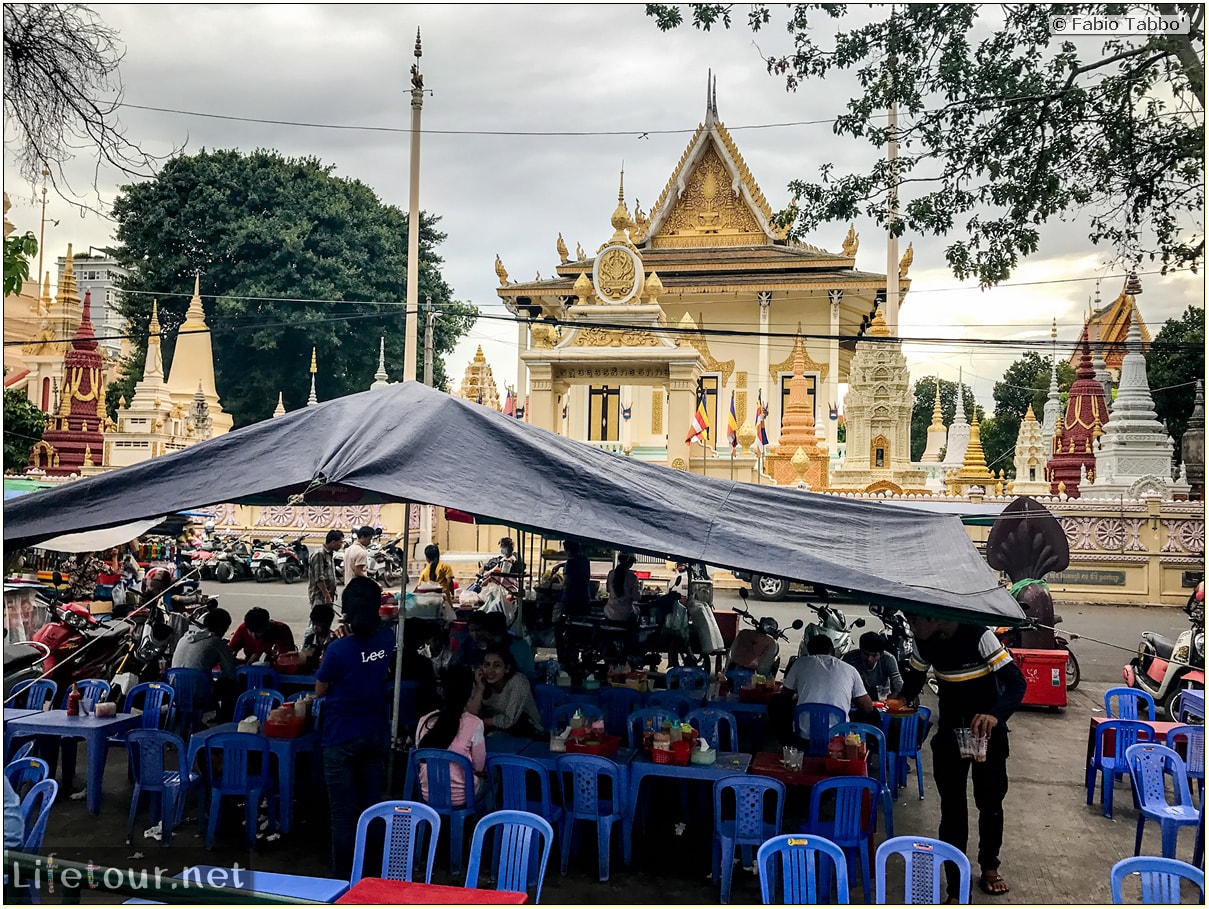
x,y
73,701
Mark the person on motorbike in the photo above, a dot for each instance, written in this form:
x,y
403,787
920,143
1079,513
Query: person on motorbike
x,y
508,563
877,668
82,570
756,648
158,581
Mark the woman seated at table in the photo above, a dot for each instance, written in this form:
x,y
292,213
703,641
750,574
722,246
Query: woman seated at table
x,y
503,697
455,729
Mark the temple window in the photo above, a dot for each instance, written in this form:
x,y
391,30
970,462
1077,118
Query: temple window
x,y
877,451
604,413
1032,474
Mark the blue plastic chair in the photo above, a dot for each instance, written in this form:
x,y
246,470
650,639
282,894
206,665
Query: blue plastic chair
x,y
674,700
740,678
585,802
147,748
259,702
883,765
516,865
645,720
34,694
155,699
819,720
1194,758
24,751
408,693
800,862
911,730
1127,703
438,763
567,709
749,827
235,778
515,774
1160,879
547,698
27,771
923,880
35,812
718,727
618,702
257,676
1113,766
852,825
687,678
1149,765
194,697
404,822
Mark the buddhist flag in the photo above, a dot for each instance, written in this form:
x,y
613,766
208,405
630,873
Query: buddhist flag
x,y
761,413
732,427
509,404
698,430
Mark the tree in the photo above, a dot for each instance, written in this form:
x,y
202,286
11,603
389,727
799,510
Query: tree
x,y
1175,361
921,410
18,250
61,89
1024,383
24,424
281,244
1005,125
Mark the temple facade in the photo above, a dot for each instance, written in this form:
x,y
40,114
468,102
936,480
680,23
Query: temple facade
x,y
1106,326
877,412
608,334
1073,459
1031,454
478,384
73,437
1134,456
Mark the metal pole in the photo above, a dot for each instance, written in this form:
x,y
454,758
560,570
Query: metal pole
x,y
430,317
413,223
394,707
42,229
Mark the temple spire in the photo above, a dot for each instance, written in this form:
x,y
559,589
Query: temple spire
x,y
711,99
153,368
195,316
937,417
311,398
380,377
279,410
1053,400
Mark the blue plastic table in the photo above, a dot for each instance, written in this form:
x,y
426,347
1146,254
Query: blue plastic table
x,y
323,889
641,766
284,751
92,730
540,752
1192,705
10,714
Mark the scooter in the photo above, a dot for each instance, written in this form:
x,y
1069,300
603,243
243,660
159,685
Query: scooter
x,y
264,560
1162,668
233,563
292,561
761,639
833,624
386,563
900,642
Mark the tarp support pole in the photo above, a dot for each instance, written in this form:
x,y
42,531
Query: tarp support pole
x,y
395,698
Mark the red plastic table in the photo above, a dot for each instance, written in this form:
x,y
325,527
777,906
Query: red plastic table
x,y
814,769
376,891
1158,733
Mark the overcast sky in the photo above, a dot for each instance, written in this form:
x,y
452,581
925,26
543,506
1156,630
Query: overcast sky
x,y
556,68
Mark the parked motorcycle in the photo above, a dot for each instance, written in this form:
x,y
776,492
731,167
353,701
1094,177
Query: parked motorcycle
x,y
292,561
757,648
264,560
234,562
900,642
385,562
833,624
1164,668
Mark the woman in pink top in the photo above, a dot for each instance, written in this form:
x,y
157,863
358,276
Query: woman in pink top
x,y
454,729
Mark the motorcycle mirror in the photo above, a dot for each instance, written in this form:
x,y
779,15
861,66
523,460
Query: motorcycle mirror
x,y
859,623
797,624
743,593
677,582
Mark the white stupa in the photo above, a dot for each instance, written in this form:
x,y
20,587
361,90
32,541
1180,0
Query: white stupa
x,y
959,432
1052,413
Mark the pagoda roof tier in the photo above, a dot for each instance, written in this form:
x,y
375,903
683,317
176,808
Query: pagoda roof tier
x,y
713,279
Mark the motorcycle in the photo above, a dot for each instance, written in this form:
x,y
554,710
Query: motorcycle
x,y
900,642
1164,668
264,560
385,562
833,624
1011,638
761,639
234,562
292,561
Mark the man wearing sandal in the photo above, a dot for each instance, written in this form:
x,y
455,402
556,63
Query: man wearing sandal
x,y
979,688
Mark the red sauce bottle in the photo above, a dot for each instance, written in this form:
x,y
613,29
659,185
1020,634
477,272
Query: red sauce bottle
x,y
73,701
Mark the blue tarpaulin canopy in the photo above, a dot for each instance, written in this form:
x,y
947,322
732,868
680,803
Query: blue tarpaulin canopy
x,y
409,443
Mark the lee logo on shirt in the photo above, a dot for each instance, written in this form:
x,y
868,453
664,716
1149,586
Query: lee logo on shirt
x,y
370,657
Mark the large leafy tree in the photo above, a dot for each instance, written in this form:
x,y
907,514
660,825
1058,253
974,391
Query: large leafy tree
x,y
1004,124
285,250
24,424
1024,383
921,410
1174,362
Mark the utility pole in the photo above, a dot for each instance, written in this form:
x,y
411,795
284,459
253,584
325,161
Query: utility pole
x,y
430,318
413,223
890,310
42,229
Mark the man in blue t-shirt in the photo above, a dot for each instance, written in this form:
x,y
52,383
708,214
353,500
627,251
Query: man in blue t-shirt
x,y
352,681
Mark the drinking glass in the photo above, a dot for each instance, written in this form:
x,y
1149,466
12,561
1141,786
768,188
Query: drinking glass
x,y
883,692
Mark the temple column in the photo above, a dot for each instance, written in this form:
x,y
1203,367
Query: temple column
x,y
834,297
627,433
682,402
522,345
542,397
764,298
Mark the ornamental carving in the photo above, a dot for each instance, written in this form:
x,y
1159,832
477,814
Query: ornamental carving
x,y
1110,533
657,395
786,365
709,204
620,337
1185,536
617,275
679,464
1078,532
699,344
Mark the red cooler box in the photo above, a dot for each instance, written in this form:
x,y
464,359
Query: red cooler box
x,y
1045,673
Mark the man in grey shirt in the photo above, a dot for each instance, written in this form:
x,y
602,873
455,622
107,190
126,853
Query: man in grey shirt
x,y
878,669
203,649
321,570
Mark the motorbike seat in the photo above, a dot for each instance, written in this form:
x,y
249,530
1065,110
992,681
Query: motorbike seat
x,y
20,656
1163,646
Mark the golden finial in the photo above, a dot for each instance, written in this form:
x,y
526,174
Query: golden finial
x,y
314,362
878,328
582,288
500,271
905,264
279,410
561,247
153,327
746,435
621,217
1029,415
852,241
580,255
800,462
1062,487
937,416
478,355
654,287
